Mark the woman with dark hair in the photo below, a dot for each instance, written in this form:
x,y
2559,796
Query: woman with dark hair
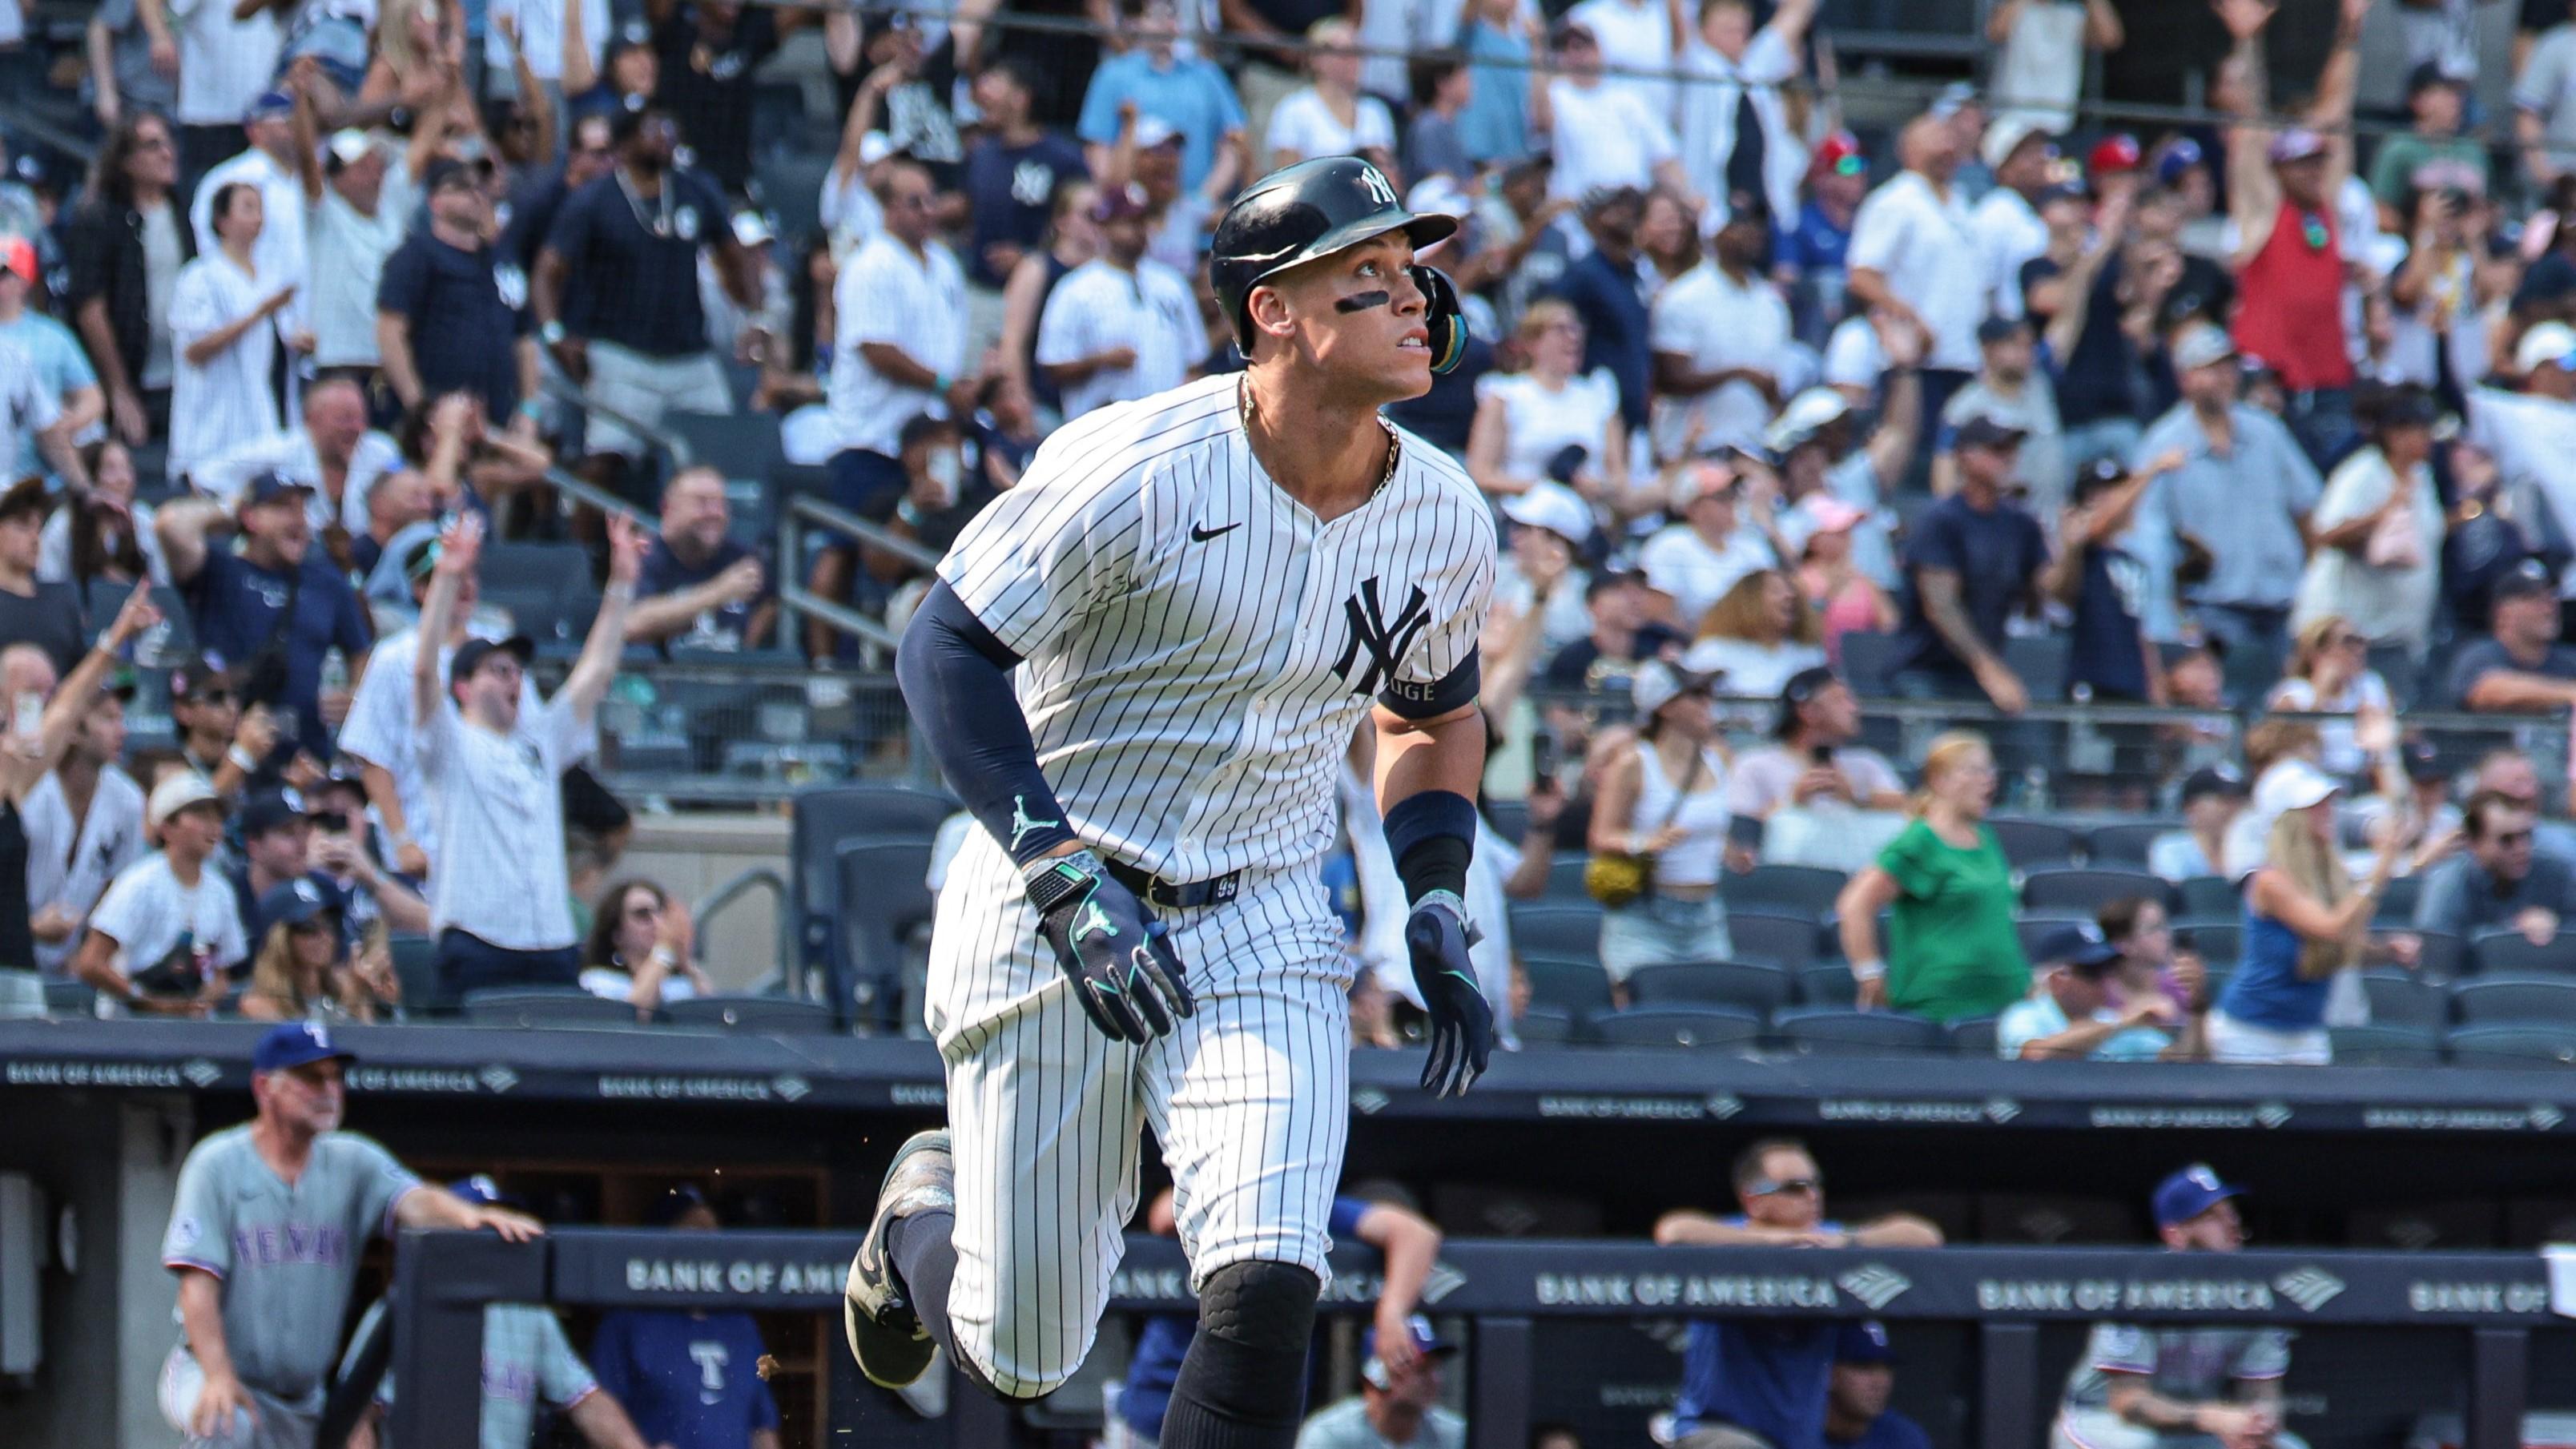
x,y
1663,804
127,242
638,949
2379,527
1757,636
107,535
303,967
1071,240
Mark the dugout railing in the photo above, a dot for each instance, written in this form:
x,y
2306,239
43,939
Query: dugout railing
x,y
1502,1289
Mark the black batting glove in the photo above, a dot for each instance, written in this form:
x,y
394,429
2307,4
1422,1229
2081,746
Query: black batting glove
x,y
1124,972
1462,1021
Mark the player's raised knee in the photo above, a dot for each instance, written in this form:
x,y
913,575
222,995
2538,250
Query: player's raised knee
x,y
1260,1305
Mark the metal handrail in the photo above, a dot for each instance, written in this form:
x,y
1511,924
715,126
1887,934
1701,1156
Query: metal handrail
x,y
714,903
874,535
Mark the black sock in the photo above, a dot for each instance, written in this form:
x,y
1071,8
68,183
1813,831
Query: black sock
x,y
918,1245
1231,1395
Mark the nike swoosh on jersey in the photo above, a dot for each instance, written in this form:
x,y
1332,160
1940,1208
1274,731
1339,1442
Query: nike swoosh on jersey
x,y
1201,533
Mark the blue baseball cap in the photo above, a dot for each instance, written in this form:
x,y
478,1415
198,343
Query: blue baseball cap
x,y
266,105
271,485
294,902
2189,1193
480,1188
295,1043
1425,1342
2078,944
1864,1341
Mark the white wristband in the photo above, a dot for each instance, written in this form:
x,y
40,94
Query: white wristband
x,y
1867,971
241,757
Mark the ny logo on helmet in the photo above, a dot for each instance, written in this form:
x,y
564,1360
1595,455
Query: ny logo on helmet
x,y
1375,183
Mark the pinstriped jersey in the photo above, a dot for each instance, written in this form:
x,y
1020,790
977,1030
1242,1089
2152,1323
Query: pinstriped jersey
x,y
1197,645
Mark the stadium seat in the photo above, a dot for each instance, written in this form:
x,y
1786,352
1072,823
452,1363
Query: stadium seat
x,y
515,1006
416,967
1725,983
2378,1045
1827,983
1547,1026
742,446
2397,900
884,893
2507,1045
1565,878
2510,950
2125,845
2400,998
2210,897
819,820
762,1015
1577,987
2441,955
1790,889
1559,930
1840,1031
1510,818
2087,891
2220,943
2525,998
1783,940
1702,1027
2029,844
1868,658
80,999
1972,1036
2035,929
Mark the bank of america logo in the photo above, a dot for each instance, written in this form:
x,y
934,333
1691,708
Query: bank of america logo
x,y
1878,1285
497,1078
2310,1288
1724,1105
2001,1110
2272,1114
200,1072
1370,1101
1442,1281
2543,1116
791,1087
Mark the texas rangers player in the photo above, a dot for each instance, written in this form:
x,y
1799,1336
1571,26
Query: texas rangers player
x,y
1201,593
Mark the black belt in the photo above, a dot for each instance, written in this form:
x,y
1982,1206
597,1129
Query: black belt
x,y
1173,895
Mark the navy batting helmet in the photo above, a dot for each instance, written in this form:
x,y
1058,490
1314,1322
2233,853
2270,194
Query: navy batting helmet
x,y
1316,208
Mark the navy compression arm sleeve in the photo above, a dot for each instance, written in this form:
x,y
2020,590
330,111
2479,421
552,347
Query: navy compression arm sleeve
x,y
956,680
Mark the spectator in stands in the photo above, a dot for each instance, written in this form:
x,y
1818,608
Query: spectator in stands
x,y
224,332
1974,560
2529,441
2242,495
1757,636
1914,253
1824,461
2152,969
1121,326
1718,335
1329,116
2500,880
2330,674
304,968
2521,666
62,374
1434,143
1603,137
2378,529
359,199
84,826
1735,75
333,455
2304,921
1540,580
165,938
1811,254
2138,1386
2009,230
127,244
277,837
2012,390
1397,1407
1845,600
640,949
1013,168
1623,636
1856,1411
2211,797
223,65
121,43
709,58
1530,423
1608,289
444,320
2040,72
267,165
2413,801
1715,544
628,244
696,578
105,535
1952,949
1813,761
498,901
218,738
2290,253
1188,94
687,1376
2544,101
1769,1381
260,1238
2068,1016
2431,156
2275,751
277,606
1664,803
2109,656
46,615
1495,40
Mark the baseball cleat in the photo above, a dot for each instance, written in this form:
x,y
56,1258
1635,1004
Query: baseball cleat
x,y
886,1336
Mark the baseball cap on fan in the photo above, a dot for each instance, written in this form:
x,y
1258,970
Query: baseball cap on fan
x,y
2548,344
1553,507
1425,1343
2189,1193
18,258
295,1043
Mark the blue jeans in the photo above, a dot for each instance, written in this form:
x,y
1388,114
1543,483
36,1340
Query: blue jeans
x,y
1661,931
2321,419
467,963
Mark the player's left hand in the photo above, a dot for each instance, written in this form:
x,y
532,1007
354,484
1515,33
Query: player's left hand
x,y
516,1227
1462,1021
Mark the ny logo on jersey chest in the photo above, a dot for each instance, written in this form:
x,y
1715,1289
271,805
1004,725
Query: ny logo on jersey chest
x,y
1385,642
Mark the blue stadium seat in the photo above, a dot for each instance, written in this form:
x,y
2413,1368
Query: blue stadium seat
x,y
1827,983
1789,889
1785,940
742,446
1868,658
2397,900
819,820
1565,878
884,895
761,1015
2220,943
2035,929
2087,891
1972,1036
1547,1026
2523,998
1701,1027
1840,1031
1510,818
2210,898
2509,950
1724,983
2029,844
2509,1045
1562,930
2442,956
416,967
2041,661
2379,1045
1576,986
2399,998
515,1006
2125,845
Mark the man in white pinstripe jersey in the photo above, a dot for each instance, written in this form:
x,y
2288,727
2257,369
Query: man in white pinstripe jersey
x,y
1138,669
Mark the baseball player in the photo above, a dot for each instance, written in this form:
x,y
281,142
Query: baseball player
x,y
1139,669
265,1237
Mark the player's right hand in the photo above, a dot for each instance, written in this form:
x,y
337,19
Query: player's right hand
x,y
217,1402
1125,975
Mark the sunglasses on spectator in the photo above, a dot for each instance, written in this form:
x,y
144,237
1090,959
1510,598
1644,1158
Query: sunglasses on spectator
x,y
212,696
1771,1187
644,912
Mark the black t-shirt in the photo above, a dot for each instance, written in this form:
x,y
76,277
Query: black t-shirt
x,y
1605,295
664,573
1996,555
2098,379
2106,653
2487,656
466,309
1008,189
51,621
707,86
237,605
1583,665
636,259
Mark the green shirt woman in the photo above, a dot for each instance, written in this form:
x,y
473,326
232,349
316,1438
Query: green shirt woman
x,y
1952,949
